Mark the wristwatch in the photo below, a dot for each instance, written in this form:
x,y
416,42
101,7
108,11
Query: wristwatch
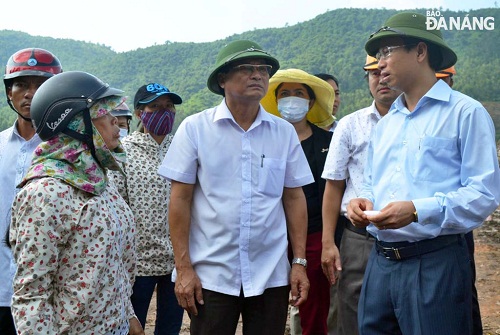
x,y
301,261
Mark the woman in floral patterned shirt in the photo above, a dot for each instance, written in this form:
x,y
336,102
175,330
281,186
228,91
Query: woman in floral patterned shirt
x,y
148,196
72,235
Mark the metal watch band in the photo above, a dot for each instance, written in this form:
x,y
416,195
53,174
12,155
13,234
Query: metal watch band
x,y
301,261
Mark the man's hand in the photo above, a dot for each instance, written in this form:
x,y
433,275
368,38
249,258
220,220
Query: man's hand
x,y
395,215
355,211
188,290
330,262
299,284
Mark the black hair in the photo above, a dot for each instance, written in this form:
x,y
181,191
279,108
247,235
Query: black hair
x,y
435,57
5,239
327,76
308,89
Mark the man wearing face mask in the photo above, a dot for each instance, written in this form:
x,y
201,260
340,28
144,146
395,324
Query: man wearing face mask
x,y
148,195
306,101
124,116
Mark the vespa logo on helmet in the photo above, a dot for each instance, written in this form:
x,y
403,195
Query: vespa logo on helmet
x,y
56,123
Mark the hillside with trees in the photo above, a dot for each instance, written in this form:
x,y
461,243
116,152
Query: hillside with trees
x,y
332,42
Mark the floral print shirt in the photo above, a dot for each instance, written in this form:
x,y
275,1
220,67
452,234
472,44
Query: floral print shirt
x,y
148,195
76,260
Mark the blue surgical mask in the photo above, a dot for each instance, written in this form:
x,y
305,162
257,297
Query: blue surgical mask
x,y
293,109
123,133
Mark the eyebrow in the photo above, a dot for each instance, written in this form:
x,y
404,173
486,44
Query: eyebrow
x,y
301,89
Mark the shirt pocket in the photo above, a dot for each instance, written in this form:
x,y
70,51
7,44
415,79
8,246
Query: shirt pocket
x,y
272,177
434,160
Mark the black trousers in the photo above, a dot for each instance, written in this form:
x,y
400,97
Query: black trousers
x,y
265,314
6,322
477,325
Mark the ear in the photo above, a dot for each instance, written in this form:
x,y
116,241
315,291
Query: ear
x,y
311,103
221,79
421,51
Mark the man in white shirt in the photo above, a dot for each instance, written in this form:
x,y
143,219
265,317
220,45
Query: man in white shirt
x,y
334,83
343,171
237,174
25,71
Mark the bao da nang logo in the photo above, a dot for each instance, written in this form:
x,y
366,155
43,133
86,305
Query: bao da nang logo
x,y
436,21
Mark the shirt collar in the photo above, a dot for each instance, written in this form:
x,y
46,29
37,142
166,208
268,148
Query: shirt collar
x,y
222,112
374,111
440,91
15,133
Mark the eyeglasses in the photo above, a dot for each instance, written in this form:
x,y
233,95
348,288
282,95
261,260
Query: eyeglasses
x,y
399,32
248,69
386,51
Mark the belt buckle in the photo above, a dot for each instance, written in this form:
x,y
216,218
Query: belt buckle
x,y
395,251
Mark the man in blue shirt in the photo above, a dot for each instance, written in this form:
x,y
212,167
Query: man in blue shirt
x,y
433,174
25,71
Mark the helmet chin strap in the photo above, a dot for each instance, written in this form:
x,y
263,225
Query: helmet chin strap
x,y
87,136
24,117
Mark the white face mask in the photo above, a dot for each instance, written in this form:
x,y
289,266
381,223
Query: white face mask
x,y
293,109
123,133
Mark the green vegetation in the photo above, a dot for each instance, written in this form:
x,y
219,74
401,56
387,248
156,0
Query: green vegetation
x,y
332,42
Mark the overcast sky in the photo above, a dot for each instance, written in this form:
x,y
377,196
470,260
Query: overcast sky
x,y
130,24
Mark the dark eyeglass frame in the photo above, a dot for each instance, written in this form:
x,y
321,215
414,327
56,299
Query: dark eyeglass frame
x,y
386,54
386,28
248,69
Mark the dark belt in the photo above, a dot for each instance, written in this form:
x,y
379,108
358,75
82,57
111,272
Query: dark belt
x,y
348,225
402,250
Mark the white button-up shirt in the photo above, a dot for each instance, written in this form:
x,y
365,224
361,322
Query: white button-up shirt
x,y
348,151
238,235
15,159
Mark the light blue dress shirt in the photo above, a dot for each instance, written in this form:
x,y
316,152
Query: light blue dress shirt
x,y
238,235
15,159
442,156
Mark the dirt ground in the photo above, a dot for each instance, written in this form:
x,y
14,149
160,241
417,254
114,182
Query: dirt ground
x,y
487,255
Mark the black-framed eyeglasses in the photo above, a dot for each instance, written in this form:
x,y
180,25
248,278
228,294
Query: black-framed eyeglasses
x,y
385,28
248,69
385,52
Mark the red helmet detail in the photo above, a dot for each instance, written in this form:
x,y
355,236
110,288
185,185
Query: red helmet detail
x,y
32,62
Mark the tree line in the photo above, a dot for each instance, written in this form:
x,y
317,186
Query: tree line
x,y
332,42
